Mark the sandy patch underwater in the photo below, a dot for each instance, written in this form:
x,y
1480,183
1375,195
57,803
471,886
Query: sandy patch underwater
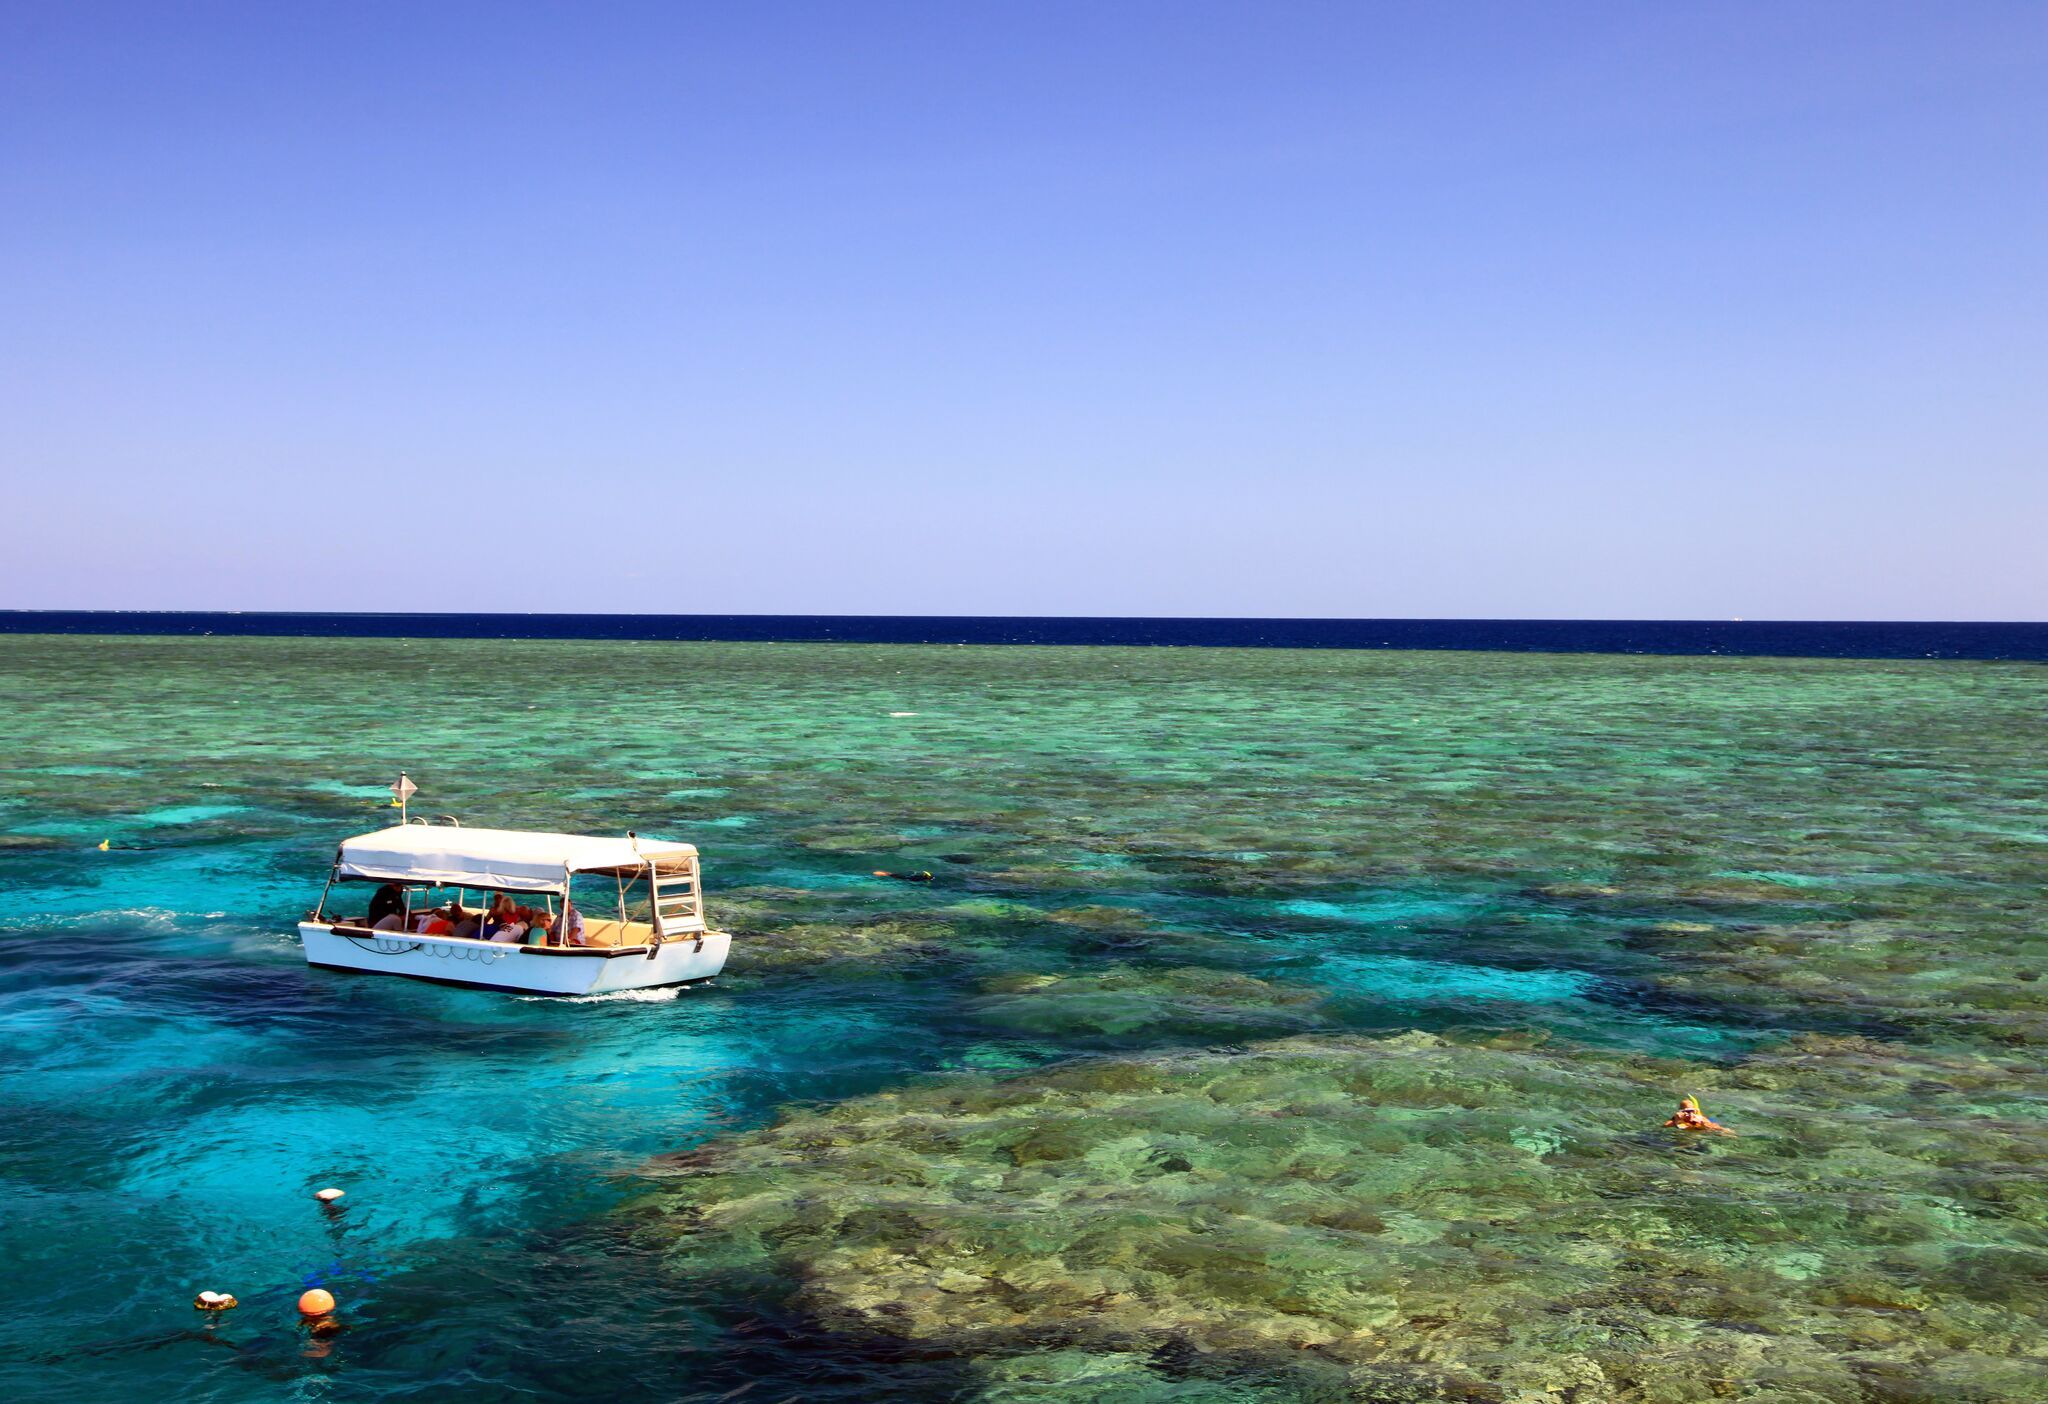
x,y
1277,1025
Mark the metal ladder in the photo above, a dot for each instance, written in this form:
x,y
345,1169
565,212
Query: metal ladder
x,y
679,904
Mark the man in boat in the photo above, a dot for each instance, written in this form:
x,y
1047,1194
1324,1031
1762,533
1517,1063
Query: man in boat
x,y
388,904
570,932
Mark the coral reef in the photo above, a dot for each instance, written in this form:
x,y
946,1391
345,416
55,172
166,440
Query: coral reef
x,y
1418,1217
1278,1025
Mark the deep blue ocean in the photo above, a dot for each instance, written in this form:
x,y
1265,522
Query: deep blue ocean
x,y
1759,638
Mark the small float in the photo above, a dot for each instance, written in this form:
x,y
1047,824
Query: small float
x,y
620,913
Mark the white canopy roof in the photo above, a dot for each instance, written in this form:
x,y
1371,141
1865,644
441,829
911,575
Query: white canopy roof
x,y
446,856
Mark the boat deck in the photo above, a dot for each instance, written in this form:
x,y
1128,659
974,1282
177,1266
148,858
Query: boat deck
x,y
606,935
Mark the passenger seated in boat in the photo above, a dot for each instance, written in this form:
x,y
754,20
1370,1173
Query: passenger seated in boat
x,y
540,932
511,920
387,909
498,912
466,926
439,923
570,930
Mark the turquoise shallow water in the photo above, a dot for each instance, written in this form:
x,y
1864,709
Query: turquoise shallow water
x,y
1237,891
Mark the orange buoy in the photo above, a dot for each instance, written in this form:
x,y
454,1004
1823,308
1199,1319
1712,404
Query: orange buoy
x,y
327,1196
317,1302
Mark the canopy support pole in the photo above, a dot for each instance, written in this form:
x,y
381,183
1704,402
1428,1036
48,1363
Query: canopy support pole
x,y
321,905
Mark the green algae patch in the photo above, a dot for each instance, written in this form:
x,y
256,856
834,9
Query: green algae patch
x,y
1410,1217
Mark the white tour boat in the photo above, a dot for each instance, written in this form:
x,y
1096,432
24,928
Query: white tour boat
x,y
434,882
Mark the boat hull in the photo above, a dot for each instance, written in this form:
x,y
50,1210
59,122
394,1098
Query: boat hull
x,y
519,969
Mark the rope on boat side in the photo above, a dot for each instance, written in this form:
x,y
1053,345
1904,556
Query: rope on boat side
x,y
380,945
377,945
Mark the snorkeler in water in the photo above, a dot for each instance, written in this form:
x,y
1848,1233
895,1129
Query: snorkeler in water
x,y
1689,1117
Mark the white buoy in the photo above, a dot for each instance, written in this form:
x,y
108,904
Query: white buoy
x,y
214,1301
328,1196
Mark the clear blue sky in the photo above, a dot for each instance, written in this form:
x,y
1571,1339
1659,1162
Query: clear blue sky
x,y
1673,310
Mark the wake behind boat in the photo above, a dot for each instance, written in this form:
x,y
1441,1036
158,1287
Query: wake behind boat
x,y
418,918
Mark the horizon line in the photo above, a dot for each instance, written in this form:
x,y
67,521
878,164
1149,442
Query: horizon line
x,y
1022,618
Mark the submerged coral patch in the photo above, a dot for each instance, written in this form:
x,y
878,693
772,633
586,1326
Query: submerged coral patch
x,y
1411,1212
1191,1003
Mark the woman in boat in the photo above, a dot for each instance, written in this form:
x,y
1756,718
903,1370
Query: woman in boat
x,y
499,913
511,925
440,922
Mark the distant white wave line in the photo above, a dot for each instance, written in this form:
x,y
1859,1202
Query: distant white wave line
x,y
163,916
662,995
